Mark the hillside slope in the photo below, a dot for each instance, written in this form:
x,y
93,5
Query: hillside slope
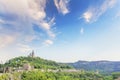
x,y
37,62
103,66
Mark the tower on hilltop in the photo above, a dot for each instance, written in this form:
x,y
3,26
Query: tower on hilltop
x,y
32,54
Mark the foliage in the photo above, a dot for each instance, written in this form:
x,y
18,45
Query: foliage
x,y
4,77
37,62
37,75
116,75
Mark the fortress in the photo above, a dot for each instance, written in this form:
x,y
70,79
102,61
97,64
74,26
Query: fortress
x,y
32,54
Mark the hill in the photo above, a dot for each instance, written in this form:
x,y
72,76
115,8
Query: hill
x,y
103,66
37,62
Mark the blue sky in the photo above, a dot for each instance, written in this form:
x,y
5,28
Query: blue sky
x,y
60,30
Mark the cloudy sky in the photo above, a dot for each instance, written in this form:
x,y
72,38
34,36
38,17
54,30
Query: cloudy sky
x,y
60,30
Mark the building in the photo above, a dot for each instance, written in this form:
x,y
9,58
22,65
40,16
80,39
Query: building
x,y
27,67
32,54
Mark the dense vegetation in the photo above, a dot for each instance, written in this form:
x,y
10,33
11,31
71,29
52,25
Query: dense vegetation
x,y
88,72
38,75
37,62
103,66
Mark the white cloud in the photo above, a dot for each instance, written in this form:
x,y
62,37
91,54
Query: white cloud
x,y
62,6
21,15
2,21
24,8
36,9
82,30
47,27
94,12
6,40
87,16
24,48
117,15
48,42
30,38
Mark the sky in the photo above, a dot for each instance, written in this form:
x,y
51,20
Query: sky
x,y
60,30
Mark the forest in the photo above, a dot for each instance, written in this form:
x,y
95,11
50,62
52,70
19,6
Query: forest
x,y
38,75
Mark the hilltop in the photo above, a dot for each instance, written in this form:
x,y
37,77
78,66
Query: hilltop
x,y
37,62
31,62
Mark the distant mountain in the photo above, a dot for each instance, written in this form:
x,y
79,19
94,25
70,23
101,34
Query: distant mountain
x,y
103,66
37,62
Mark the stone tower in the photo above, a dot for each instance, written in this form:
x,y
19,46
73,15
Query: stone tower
x,y
32,54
